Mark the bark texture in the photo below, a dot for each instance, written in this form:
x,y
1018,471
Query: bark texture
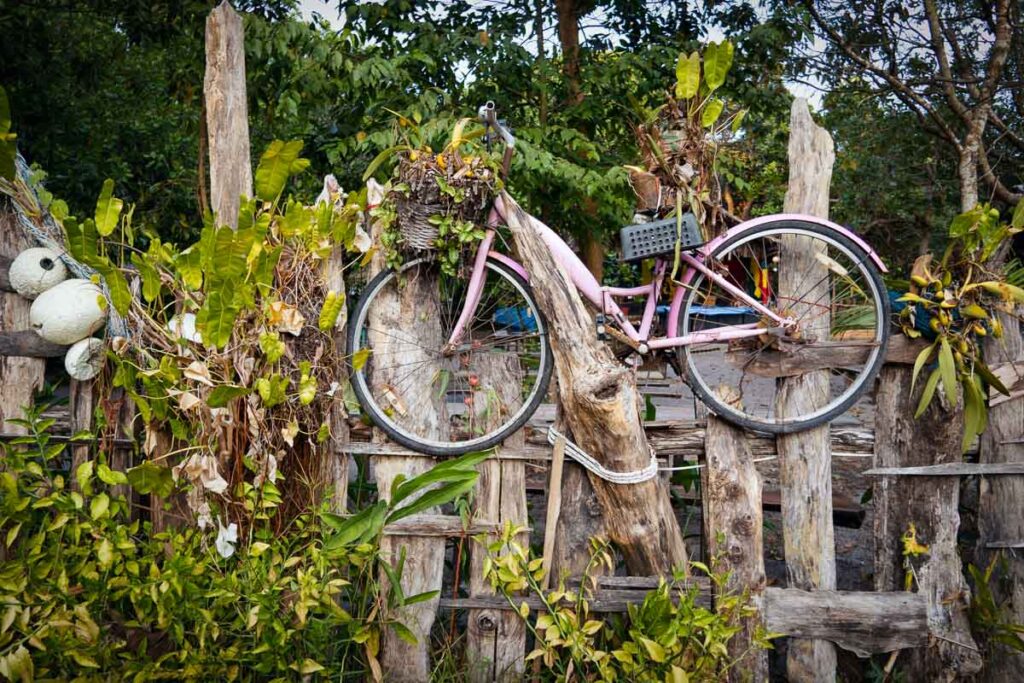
x,y
805,459
1001,504
599,400
931,505
227,121
19,377
732,512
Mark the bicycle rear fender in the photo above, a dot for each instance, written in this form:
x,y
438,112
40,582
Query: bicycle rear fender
x,y
780,217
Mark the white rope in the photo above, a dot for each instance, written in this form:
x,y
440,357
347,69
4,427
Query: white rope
x,y
591,465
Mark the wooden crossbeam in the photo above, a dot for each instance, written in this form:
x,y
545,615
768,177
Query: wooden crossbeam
x,y
951,469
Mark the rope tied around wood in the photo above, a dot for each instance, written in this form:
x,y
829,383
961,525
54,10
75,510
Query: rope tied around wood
x,y
592,465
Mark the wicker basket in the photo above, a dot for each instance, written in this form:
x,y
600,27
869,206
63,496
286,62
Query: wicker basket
x,y
414,223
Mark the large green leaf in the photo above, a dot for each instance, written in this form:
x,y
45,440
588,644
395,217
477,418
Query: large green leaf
x,y
108,209
947,366
358,528
926,395
83,241
919,363
216,319
712,110
456,469
380,159
8,140
120,295
687,75
278,163
151,478
717,62
439,496
223,394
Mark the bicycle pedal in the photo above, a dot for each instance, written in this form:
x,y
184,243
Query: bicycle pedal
x,y
602,330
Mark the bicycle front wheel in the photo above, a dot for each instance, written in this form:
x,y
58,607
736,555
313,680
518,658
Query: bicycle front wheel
x,y
448,401
810,274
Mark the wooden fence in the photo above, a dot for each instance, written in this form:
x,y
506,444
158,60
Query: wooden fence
x,y
916,465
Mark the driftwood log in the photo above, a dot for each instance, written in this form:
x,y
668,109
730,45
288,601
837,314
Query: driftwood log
x,y
731,489
599,402
805,466
1001,500
335,465
227,116
930,504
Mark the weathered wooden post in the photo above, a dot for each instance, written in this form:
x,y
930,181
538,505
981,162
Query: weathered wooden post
x,y
20,377
731,491
1001,498
930,504
496,639
598,396
805,459
227,115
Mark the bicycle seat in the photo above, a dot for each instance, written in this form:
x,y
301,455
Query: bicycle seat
x,y
645,240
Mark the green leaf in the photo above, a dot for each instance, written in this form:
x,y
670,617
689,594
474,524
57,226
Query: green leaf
x,y
990,378
99,505
272,389
108,209
307,666
927,393
687,75
278,163
421,597
224,394
717,62
737,120
403,632
110,477
272,346
359,359
919,363
360,527
975,413
120,295
1016,222
454,470
381,158
216,319
439,496
105,552
947,366
151,478
330,311
8,140
654,650
83,241
83,475
712,110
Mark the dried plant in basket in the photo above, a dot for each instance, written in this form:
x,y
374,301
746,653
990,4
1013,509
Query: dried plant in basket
x,y
682,139
436,202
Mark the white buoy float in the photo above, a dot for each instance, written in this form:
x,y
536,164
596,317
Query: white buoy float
x,y
85,358
36,270
68,312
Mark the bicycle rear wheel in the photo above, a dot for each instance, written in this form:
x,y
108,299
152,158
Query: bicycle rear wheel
x,y
807,272
438,400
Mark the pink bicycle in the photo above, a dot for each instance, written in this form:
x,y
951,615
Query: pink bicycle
x,y
774,296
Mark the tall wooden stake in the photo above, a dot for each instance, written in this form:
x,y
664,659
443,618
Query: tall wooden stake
x,y
805,459
1001,502
731,488
227,116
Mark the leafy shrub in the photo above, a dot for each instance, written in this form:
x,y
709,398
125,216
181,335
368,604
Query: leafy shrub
x,y
667,637
85,591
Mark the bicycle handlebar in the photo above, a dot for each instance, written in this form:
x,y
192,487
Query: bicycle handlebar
x,y
489,115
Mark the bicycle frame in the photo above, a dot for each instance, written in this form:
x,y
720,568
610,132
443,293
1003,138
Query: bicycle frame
x,y
604,298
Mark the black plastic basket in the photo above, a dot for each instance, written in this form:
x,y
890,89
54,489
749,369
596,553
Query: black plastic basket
x,y
659,237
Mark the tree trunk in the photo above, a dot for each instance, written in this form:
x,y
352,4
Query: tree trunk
x,y
336,458
1001,504
593,255
599,400
930,504
805,459
227,113
731,490
569,37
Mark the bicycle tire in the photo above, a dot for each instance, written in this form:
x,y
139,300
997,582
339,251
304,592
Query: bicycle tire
x,y
865,379
379,418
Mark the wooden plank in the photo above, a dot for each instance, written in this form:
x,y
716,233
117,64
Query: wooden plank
x,y
931,505
28,344
599,402
732,512
795,359
951,469
20,377
554,509
846,512
227,117
335,462
862,622
82,402
446,526
805,458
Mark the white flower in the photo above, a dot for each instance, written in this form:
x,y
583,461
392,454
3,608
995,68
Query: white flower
x,y
227,537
